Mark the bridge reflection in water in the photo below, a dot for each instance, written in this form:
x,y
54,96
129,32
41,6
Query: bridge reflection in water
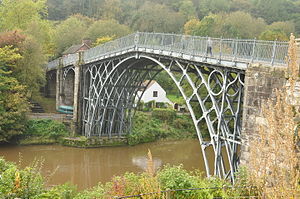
x,y
106,79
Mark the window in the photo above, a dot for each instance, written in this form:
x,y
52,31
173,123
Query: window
x,y
155,93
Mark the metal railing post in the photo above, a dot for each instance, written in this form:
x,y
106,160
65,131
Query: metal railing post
x,y
182,44
206,51
273,53
253,51
162,43
136,40
220,48
235,49
193,51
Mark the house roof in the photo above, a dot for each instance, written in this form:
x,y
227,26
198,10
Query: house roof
x,y
145,83
74,49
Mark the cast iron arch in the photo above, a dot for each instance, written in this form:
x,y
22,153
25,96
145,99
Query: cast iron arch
x,y
224,88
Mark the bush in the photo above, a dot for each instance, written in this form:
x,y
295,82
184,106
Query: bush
x,y
176,177
28,183
145,129
45,128
20,183
95,192
65,191
164,114
148,128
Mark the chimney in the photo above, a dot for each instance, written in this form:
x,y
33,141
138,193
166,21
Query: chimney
x,y
87,42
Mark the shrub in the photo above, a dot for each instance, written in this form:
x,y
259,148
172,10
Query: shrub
x,y
95,192
46,128
145,129
148,128
64,191
177,178
164,114
20,183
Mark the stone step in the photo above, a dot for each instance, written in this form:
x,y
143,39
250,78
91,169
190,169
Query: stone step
x,y
36,108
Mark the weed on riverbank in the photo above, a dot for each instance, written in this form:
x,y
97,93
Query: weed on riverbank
x,y
42,131
29,183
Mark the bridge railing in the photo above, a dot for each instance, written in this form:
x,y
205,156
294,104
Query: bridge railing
x,y
120,44
270,52
248,51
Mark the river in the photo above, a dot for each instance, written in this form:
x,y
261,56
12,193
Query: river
x,y
86,167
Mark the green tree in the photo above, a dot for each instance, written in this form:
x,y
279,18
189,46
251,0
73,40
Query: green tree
x,y
287,27
43,33
273,10
241,5
212,6
28,70
69,32
103,28
241,24
157,18
28,15
206,27
13,101
111,9
191,26
167,83
16,14
187,9
273,35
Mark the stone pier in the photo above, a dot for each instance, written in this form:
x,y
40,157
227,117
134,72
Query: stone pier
x,y
260,84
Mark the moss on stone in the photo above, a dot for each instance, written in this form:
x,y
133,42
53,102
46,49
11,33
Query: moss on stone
x,y
83,142
37,141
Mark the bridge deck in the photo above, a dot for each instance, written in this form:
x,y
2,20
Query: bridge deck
x,y
236,53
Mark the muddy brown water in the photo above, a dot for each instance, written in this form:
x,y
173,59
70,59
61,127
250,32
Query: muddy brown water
x,y
86,167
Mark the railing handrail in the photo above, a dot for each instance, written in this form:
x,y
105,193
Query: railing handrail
x,y
243,50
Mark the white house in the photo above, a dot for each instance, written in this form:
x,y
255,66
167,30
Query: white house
x,y
154,92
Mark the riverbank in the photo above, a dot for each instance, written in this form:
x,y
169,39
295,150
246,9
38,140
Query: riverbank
x,y
29,182
160,124
86,167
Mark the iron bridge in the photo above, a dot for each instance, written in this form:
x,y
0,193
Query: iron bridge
x,y
211,84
